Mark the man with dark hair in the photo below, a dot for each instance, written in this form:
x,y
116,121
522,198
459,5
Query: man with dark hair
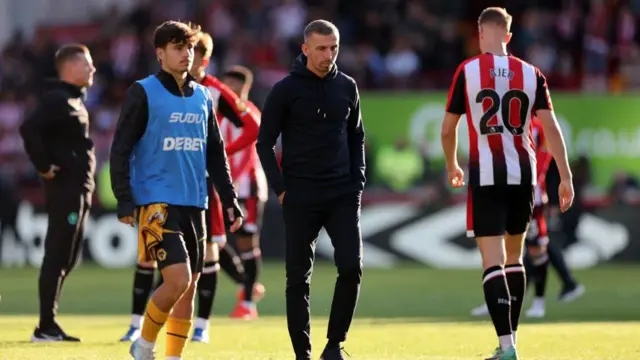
x,y
227,104
316,108
167,138
502,164
56,138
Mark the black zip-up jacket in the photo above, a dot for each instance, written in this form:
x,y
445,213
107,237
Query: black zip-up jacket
x,y
57,133
132,124
322,135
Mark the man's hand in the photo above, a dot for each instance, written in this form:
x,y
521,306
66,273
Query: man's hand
x,y
281,197
129,220
565,194
456,177
235,219
51,173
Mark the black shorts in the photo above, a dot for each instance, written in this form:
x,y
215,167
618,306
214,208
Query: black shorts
x,y
180,231
253,209
537,234
499,209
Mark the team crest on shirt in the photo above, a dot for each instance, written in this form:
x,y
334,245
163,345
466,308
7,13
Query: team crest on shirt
x,y
161,254
501,72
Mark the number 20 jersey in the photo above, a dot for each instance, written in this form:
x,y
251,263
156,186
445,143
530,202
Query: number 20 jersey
x,y
499,96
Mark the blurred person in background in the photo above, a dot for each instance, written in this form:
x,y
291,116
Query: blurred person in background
x,y
251,185
231,108
56,138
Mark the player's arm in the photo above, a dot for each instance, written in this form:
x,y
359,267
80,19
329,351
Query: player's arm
x,y
34,129
218,168
274,114
240,115
543,109
456,106
355,136
131,126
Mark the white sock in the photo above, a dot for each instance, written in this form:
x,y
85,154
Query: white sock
x,y
248,304
506,341
515,338
146,344
538,302
202,323
136,321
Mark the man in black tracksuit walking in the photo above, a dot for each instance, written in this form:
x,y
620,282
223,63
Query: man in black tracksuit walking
x,y
317,110
56,138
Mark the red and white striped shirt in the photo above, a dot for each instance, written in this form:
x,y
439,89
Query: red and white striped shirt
x,y
499,95
239,114
245,166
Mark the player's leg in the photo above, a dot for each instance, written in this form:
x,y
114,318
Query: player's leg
x,y
486,221
207,288
142,287
208,283
247,242
571,288
63,207
179,322
230,262
343,228
537,241
172,257
519,211
302,225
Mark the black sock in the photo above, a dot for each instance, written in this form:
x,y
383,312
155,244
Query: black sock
x,y
207,286
496,296
517,283
251,262
142,286
529,269
231,264
333,344
541,265
556,258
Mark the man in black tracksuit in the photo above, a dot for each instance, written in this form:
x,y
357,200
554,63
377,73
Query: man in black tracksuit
x,y
56,138
316,109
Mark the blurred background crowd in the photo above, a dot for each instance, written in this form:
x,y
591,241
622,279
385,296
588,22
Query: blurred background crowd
x,y
588,46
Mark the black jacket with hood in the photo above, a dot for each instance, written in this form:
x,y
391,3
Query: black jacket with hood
x,y
322,135
57,133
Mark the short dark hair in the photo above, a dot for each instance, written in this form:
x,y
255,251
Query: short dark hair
x,y
69,52
205,45
175,32
495,15
320,27
241,73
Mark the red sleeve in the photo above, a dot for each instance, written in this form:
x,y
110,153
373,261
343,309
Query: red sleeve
x,y
456,100
250,128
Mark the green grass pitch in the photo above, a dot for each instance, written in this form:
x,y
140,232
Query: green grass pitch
x,y
407,313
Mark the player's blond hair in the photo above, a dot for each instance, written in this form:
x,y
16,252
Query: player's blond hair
x,y
496,15
205,45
